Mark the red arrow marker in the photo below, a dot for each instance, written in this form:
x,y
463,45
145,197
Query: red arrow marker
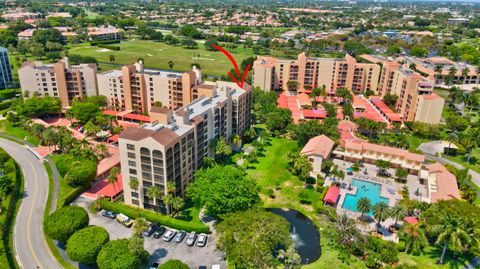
x,y
237,70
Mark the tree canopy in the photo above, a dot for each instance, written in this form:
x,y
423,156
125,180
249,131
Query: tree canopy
x,y
223,189
85,244
118,254
174,264
251,238
64,222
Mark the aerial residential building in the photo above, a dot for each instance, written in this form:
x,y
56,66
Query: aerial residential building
x,y
441,184
28,33
59,80
21,16
357,150
172,147
415,92
318,149
104,33
6,78
136,88
306,73
444,72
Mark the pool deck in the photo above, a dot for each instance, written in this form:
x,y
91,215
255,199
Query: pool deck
x,y
389,189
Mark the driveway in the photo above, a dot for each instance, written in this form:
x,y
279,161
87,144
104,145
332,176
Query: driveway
x,y
30,247
160,250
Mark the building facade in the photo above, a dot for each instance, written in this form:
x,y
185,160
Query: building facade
x,y
306,73
6,77
172,147
136,88
416,100
59,80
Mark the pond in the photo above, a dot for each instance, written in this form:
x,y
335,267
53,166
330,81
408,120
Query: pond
x,y
303,232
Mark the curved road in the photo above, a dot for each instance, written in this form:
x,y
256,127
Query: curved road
x,y
31,249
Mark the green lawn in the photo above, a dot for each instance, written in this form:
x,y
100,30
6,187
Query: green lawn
x,y
462,159
158,54
7,128
429,259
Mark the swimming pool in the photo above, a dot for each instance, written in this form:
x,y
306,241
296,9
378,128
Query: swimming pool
x,y
364,189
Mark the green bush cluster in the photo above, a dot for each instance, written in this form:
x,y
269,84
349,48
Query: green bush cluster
x,y
72,195
84,245
110,47
95,43
64,222
77,172
174,264
135,213
117,254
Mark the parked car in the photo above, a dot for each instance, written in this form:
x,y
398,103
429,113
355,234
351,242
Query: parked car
x,y
169,235
216,266
152,227
180,235
109,214
191,239
202,267
124,220
202,240
350,173
159,232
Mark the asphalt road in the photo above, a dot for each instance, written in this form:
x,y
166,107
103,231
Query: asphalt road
x,y
31,249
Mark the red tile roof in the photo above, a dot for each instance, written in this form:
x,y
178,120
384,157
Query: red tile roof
x,y
446,183
392,116
314,114
138,117
320,145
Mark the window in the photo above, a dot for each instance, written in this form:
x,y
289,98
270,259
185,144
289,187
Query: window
x,y
131,155
132,171
130,147
132,163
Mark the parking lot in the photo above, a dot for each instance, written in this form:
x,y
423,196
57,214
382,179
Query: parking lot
x,y
160,250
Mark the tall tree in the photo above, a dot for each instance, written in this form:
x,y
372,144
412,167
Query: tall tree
x,y
364,205
415,239
380,212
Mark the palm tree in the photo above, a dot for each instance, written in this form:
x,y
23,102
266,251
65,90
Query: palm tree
x,y
473,134
450,233
133,183
155,193
380,212
112,179
364,205
438,70
171,64
139,226
236,140
101,150
451,73
465,72
452,137
69,116
414,236
84,144
167,201
341,174
177,204
397,212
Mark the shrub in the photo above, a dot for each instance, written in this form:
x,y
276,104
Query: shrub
x,y
134,213
270,193
116,254
81,173
306,196
64,222
63,163
310,180
95,43
110,47
173,264
85,244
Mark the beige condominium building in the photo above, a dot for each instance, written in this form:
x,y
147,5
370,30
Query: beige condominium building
x,y
416,100
306,73
59,80
136,88
172,147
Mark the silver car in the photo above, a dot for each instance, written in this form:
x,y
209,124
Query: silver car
x,y
191,239
169,235
180,235
202,240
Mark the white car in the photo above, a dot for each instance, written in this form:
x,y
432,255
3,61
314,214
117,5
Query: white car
x,y
216,266
169,235
202,240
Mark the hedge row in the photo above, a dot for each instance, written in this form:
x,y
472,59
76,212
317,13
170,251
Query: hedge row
x,y
134,213
9,207
110,47
95,43
72,195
